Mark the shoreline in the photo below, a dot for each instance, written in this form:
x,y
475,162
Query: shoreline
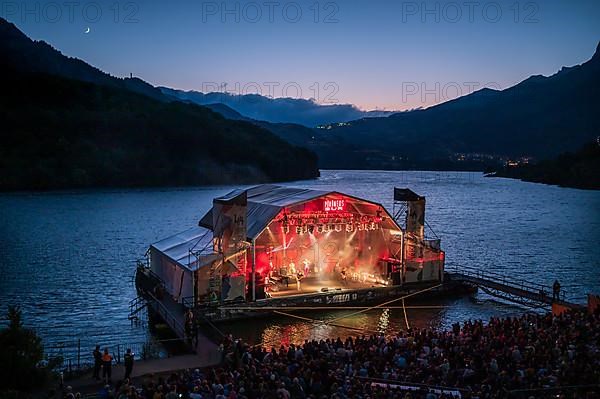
x,y
166,187
547,183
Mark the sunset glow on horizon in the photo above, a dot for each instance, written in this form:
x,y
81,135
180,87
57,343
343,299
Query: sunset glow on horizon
x,y
370,54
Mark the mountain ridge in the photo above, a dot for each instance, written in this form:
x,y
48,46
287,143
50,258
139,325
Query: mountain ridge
x,y
539,117
300,111
44,58
94,130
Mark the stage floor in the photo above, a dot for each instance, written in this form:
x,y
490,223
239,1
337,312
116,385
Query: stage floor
x,y
313,285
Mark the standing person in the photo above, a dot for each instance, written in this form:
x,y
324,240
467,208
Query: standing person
x,y
284,274
128,360
189,325
267,285
299,277
306,266
195,332
344,277
97,362
189,316
106,366
556,291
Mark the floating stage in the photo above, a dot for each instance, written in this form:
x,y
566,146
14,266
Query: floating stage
x,y
272,241
268,249
345,298
341,298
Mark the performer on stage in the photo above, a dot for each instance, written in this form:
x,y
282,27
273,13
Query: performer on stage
x,y
299,277
271,273
283,273
306,266
267,285
344,277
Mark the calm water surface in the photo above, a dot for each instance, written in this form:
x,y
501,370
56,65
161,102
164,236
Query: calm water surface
x,y
68,258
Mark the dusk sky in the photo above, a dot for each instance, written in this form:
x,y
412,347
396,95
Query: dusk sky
x,y
391,55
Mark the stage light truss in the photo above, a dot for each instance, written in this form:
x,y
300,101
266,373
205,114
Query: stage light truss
x,y
337,227
319,222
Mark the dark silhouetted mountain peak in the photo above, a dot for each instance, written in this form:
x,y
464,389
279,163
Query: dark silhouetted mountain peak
x,y
21,53
68,124
541,116
8,30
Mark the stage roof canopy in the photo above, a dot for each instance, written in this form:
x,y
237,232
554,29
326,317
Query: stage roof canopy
x,y
179,247
267,200
264,203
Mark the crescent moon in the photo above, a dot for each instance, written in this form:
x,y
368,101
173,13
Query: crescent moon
x,y
87,30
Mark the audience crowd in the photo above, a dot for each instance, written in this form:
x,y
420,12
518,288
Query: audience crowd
x,y
533,355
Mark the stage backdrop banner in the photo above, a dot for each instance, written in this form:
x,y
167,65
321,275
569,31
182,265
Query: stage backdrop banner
x,y
229,221
415,218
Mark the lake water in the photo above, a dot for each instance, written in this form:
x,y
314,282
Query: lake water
x,y
68,258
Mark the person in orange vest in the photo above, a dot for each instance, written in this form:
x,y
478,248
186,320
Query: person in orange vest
x,y
106,366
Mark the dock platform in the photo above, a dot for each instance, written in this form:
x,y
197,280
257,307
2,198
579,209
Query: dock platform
x,y
526,293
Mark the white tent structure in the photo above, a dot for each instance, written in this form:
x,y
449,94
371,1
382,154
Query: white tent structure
x,y
174,262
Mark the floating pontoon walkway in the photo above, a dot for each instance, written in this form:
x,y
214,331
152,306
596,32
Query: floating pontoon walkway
x,y
501,286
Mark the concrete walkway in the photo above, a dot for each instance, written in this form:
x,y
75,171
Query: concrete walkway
x,y
86,384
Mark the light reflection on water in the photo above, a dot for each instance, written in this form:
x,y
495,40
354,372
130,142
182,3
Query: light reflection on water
x,y
68,258
274,331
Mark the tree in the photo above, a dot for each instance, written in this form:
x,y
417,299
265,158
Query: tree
x,y
20,355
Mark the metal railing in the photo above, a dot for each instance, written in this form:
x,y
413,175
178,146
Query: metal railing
x,y
499,278
148,271
188,303
168,316
68,357
136,305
